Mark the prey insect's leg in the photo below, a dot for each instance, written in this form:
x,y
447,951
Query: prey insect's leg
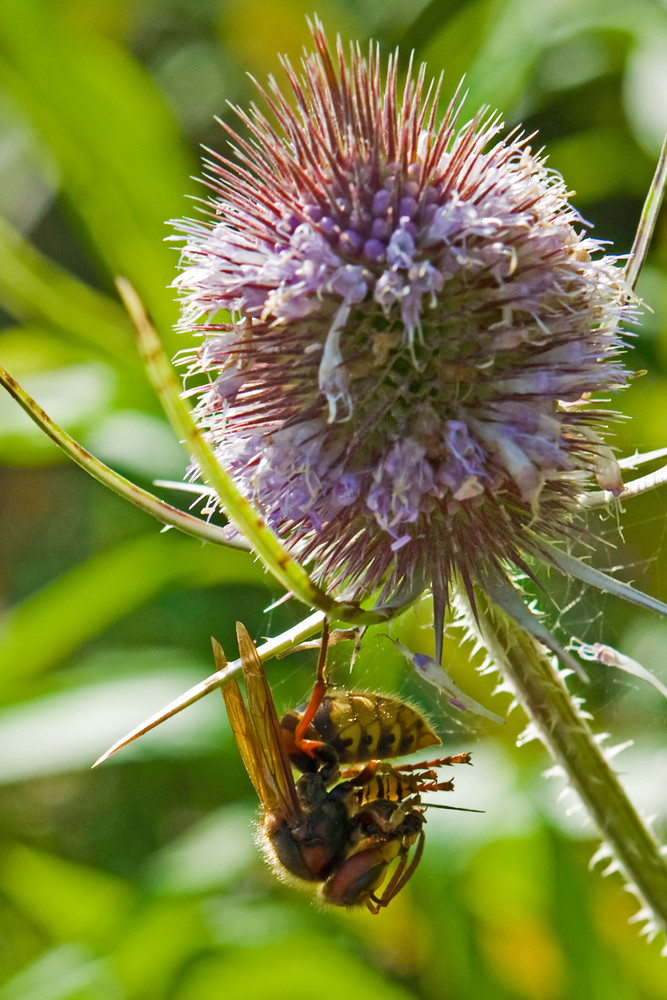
x,y
458,758
402,874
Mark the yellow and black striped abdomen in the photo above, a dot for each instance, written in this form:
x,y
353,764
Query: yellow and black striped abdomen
x,y
362,727
387,784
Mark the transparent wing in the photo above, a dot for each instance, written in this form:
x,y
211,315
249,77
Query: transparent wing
x,y
246,740
257,732
267,726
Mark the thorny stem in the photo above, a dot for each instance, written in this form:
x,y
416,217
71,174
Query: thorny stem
x,y
540,690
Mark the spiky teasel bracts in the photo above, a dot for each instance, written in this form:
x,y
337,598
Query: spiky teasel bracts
x,y
405,328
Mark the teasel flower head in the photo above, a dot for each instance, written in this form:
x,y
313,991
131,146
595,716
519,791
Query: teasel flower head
x,y
405,331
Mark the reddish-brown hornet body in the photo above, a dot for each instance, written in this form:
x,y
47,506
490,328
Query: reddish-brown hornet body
x,y
358,835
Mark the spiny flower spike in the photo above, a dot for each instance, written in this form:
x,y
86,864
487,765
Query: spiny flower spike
x,y
405,329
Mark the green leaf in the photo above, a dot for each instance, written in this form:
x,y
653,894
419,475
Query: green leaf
x,y
36,290
161,938
46,628
63,731
269,971
65,899
123,162
194,863
68,972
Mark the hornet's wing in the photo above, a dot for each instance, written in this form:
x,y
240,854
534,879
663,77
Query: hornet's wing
x,y
257,732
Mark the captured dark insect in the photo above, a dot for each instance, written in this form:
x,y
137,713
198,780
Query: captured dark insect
x,y
357,835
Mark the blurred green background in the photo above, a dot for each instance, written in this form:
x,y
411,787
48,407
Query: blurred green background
x,y
141,879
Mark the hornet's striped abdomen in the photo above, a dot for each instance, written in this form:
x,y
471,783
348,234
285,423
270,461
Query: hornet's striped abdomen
x,y
361,727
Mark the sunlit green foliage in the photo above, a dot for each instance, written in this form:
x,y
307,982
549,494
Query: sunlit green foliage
x,y
141,880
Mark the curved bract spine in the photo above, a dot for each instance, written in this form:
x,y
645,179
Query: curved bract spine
x,y
264,542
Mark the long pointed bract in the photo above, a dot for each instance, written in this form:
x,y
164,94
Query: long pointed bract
x,y
268,650
263,540
141,498
648,219
583,571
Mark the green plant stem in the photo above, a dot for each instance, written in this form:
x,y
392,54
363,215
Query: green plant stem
x,y
540,690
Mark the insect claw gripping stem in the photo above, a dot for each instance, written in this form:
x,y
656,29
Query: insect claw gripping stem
x,y
436,786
